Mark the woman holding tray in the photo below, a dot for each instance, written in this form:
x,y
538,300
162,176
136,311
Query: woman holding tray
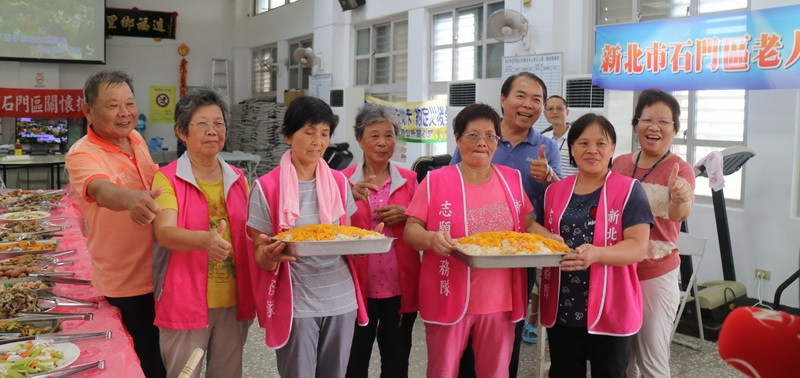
x,y
456,302
389,281
592,305
200,269
307,305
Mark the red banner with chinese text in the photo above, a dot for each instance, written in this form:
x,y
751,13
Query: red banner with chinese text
x,y
41,103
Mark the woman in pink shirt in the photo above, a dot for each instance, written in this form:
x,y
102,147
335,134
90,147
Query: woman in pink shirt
x,y
669,184
382,191
456,302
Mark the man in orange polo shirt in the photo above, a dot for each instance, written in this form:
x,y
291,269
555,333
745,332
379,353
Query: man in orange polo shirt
x,y
111,171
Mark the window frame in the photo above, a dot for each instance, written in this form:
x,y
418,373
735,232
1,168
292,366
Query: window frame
x,y
294,68
393,87
259,8
260,73
482,40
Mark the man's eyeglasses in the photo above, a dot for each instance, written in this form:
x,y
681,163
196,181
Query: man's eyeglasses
x,y
489,138
206,125
555,108
647,122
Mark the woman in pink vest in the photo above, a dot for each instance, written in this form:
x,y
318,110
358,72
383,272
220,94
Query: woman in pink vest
x,y
457,302
669,184
592,304
307,305
389,281
200,269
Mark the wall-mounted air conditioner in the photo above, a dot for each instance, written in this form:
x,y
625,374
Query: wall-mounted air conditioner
x,y
463,93
584,97
345,103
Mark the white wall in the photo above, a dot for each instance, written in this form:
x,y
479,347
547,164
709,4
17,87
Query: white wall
x,y
765,231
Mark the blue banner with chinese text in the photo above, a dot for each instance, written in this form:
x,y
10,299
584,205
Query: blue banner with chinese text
x,y
741,50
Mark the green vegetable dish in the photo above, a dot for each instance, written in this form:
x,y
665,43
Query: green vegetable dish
x,y
30,357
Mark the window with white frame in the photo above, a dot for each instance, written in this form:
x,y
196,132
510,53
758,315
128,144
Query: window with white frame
x,y
298,74
265,70
461,48
711,120
382,58
262,6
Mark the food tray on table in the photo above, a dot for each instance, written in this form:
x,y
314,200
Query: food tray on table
x,y
11,249
508,261
24,215
338,247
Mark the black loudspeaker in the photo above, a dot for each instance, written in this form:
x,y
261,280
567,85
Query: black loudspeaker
x,y
351,4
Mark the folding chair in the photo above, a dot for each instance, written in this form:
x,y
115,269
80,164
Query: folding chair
x,y
425,164
693,246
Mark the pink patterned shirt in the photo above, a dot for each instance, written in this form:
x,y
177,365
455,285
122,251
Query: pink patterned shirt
x,y
384,278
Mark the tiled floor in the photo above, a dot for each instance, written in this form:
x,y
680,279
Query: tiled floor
x,y
685,362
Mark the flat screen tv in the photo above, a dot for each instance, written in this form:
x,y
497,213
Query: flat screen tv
x,y
59,31
48,131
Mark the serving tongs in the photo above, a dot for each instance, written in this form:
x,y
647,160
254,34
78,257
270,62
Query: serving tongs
x,y
71,370
48,297
26,316
27,235
57,338
55,277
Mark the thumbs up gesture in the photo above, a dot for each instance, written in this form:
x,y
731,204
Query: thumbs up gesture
x,y
540,170
218,248
679,190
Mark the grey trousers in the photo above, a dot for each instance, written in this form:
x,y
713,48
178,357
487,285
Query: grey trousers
x,y
223,342
317,347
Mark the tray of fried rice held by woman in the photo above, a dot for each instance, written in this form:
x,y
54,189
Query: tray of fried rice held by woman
x,y
330,240
508,249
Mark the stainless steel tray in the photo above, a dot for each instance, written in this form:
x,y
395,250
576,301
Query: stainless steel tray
x,y
9,253
508,261
338,247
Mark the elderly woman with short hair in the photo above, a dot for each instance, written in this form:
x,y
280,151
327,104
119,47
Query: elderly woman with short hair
x,y
389,281
200,269
307,305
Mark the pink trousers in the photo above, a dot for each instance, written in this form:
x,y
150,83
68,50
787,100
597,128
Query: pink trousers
x,y
492,340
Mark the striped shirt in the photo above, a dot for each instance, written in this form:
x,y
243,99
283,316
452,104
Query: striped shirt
x,y
322,285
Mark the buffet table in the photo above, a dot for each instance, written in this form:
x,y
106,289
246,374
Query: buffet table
x,y
120,358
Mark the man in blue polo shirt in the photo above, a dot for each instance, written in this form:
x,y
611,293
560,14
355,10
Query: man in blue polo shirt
x,y
522,99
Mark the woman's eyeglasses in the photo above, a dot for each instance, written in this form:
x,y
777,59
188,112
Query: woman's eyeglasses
x,y
206,125
647,122
489,138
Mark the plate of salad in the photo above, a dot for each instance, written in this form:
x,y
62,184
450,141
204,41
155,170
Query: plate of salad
x,y
31,357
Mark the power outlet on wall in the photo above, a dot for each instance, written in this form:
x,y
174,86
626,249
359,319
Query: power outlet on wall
x,y
763,274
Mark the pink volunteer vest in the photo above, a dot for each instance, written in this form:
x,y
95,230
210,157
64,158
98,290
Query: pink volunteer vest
x,y
444,281
182,303
615,298
273,290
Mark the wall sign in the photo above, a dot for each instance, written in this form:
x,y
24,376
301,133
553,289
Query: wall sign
x,y
41,103
740,50
140,23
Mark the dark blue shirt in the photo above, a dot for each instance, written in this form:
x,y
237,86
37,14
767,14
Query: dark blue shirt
x,y
517,157
577,228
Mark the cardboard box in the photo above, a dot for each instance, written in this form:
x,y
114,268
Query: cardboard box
x,y
290,95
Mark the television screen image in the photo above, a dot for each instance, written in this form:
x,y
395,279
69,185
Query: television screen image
x,y
42,130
